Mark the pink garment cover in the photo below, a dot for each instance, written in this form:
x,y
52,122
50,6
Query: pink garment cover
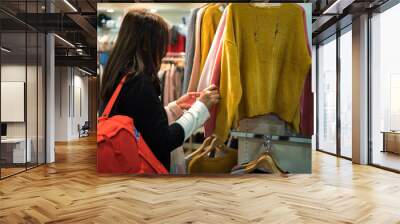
x,y
211,72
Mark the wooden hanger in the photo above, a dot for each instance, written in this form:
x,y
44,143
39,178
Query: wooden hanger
x,y
214,143
266,163
201,149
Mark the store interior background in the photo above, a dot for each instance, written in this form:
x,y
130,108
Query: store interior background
x,y
333,58
59,75
48,82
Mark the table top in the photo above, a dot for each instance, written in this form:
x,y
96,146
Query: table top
x,y
13,140
391,132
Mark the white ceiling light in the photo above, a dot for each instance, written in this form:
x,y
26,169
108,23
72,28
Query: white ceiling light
x,y
110,10
65,41
5,50
84,71
70,5
153,10
338,6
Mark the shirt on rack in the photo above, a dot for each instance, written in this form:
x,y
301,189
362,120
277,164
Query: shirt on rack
x,y
211,18
194,76
189,50
213,57
211,72
264,63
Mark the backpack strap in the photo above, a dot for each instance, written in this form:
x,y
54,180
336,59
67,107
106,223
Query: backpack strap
x,y
114,97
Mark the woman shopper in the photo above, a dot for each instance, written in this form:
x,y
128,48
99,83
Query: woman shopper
x,y
141,44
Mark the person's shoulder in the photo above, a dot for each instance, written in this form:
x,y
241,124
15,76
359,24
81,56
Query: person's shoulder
x,y
139,78
139,84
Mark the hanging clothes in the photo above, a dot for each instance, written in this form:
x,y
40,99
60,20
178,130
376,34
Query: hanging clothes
x,y
177,82
213,57
211,72
264,63
194,76
173,111
189,49
171,77
177,41
161,77
167,97
209,25
307,109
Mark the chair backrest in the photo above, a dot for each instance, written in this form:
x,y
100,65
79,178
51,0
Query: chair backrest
x,y
86,125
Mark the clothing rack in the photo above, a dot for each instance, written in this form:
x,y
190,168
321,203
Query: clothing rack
x,y
174,57
290,151
175,54
270,137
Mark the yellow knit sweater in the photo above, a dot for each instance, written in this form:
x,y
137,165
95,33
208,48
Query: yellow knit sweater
x,y
265,61
210,20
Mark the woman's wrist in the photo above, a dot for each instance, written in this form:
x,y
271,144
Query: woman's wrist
x,y
202,108
194,118
174,111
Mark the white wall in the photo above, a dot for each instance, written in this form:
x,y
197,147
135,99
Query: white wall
x,y
16,73
12,73
33,127
71,93
61,103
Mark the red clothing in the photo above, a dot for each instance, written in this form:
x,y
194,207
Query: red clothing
x,y
179,45
307,109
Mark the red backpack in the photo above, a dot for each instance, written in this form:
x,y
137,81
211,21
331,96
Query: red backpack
x,y
120,147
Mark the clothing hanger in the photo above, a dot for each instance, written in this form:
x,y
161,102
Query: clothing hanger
x,y
213,145
222,6
265,161
202,148
265,4
203,163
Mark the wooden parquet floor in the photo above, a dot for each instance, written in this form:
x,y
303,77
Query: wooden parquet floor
x,y
70,191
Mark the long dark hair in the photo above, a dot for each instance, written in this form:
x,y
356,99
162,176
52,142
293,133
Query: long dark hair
x,y
141,44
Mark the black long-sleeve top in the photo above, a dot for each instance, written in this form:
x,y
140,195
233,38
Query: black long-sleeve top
x,y
139,100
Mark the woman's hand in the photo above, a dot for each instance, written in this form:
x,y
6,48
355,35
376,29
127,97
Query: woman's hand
x,y
187,100
210,96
